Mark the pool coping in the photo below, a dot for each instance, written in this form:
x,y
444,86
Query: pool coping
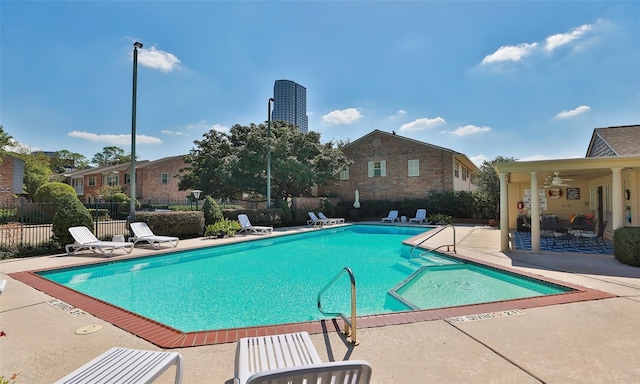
x,y
167,337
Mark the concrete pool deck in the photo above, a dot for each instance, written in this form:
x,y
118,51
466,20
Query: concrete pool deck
x,y
590,341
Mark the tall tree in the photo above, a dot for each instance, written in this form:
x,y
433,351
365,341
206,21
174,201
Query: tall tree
x,y
65,159
488,182
110,156
227,165
37,171
208,170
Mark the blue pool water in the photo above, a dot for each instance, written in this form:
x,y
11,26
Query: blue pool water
x,y
276,280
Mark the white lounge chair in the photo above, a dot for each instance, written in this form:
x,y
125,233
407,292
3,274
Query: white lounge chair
x,y
334,220
316,222
248,228
421,216
122,365
142,232
86,240
393,216
291,358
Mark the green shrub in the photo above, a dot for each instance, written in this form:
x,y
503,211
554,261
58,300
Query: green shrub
x,y
120,198
225,226
211,211
626,245
440,219
71,213
182,224
52,192
287,217
327,208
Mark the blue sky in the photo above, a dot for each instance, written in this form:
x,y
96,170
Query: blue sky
x,y
523,79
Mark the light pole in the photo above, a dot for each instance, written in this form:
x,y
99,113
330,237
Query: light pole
x,y
196,194
269,152
132,189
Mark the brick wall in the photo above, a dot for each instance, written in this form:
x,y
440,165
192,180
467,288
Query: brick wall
x,y
435,169
6,178
151,180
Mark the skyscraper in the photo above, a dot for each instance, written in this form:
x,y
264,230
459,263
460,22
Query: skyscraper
x,y
290,104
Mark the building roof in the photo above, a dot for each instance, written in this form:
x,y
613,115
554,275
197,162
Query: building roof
x,y
457,155
615,141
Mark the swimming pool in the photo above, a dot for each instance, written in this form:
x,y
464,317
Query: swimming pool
x,y
275,280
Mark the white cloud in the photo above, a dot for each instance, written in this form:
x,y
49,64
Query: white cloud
x,y
114,139
478,160
422,124
469,130
510,53
345,116
400,113
156,59
177,133
203,126
554,41
574,112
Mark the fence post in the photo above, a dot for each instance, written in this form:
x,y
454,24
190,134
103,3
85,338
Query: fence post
x,y
95,215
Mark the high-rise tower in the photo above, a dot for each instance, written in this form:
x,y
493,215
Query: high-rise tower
x,y
290,104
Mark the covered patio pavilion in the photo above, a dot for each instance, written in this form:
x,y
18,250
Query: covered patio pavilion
x,y
607,187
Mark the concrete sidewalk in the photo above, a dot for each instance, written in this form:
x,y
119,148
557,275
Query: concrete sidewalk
x,y
584,342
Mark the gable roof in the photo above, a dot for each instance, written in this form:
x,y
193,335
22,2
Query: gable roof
x,y
615,141
457,155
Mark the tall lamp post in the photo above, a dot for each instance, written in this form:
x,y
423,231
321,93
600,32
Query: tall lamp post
x,y
196,194
269,152
132,204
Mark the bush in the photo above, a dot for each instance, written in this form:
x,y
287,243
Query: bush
x,y
120,198
225,227
440,219
211,211
182,224
71,213
53,192
626,245
287,217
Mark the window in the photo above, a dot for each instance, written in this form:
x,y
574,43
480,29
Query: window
x,y
164,178
414,167
378,168
456,170
92,180
112,179
344,174
127,178
464,173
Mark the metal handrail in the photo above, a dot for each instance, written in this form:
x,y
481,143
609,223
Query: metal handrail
x,y
349,325
435,232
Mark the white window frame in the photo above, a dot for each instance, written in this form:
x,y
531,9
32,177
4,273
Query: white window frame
x,y
164,178
344,173
92,180
111,180
456,170
413,168
377,168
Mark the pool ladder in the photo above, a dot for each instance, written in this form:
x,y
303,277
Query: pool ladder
x,y
349,324
433,233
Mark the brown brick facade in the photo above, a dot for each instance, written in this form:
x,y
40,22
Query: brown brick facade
x,y
11,177
155,180
435,170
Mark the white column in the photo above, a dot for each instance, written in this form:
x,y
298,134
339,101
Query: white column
x,y
535,213
504,213
617,196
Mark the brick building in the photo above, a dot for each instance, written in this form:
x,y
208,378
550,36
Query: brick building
x,y
11,177
391,167
155,180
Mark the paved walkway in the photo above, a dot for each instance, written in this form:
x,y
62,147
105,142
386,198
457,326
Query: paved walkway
x,y
584,342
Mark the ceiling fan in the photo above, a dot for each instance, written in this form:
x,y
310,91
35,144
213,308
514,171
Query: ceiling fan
x,y
556,181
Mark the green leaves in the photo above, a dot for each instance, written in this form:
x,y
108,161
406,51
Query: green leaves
x,y
229,165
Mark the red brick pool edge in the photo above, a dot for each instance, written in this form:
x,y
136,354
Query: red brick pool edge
x,y
166,337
